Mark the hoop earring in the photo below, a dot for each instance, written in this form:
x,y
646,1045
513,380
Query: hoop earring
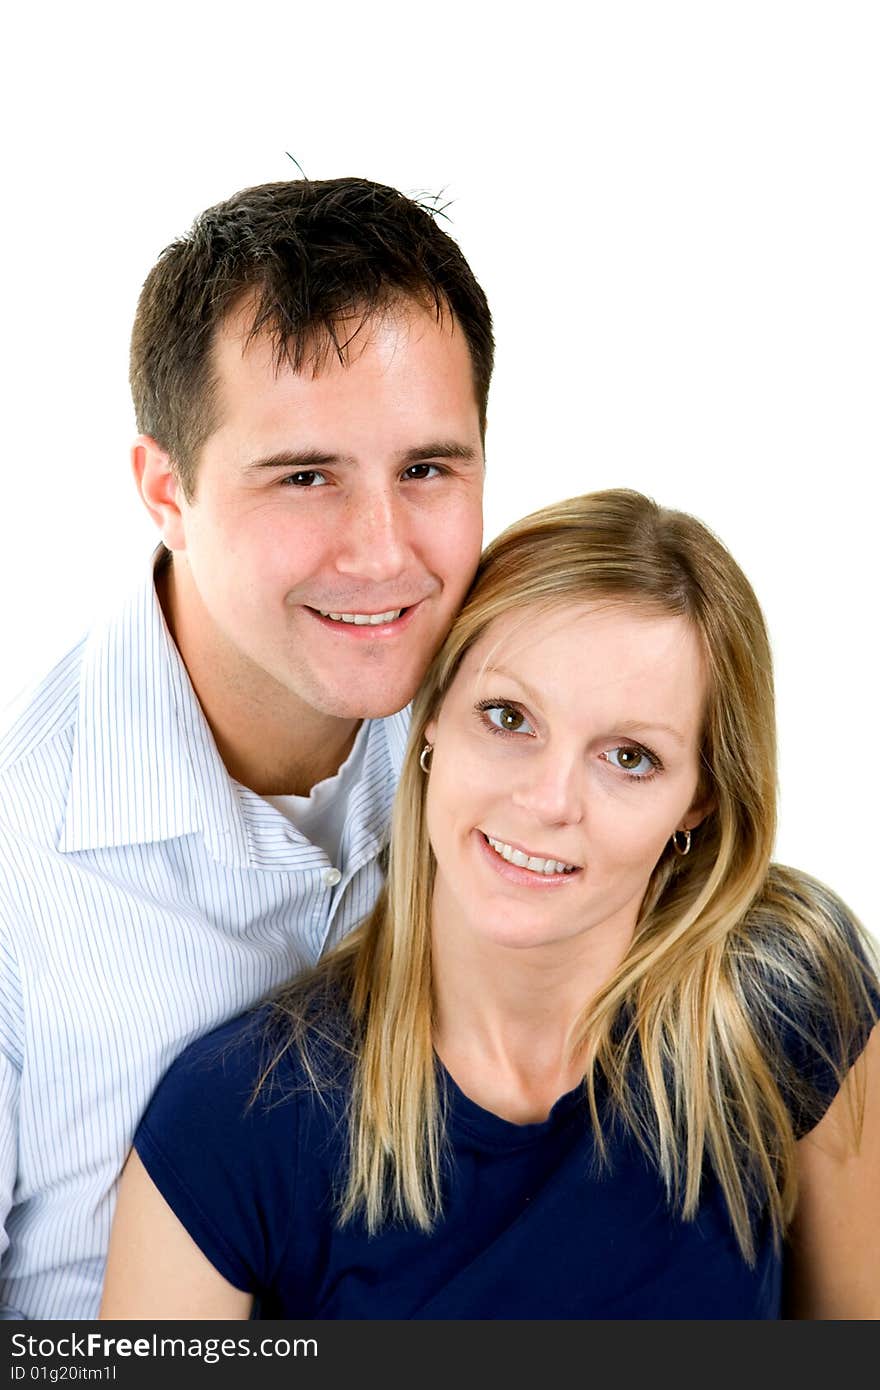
x,y
687,842
425,757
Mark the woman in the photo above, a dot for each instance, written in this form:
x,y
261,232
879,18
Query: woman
x,y
592,1055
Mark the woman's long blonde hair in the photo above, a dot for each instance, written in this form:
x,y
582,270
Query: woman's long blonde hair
x,y
685,1032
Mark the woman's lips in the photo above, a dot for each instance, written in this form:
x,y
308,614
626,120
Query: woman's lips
x,y
520,873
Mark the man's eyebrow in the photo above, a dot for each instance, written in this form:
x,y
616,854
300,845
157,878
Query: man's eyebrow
x,y
299,460
621,726
306,460
441,449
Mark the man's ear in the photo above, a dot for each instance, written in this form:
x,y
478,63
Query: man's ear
x,y
160,489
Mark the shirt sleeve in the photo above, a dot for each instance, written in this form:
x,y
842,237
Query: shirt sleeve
x,y
10,1085
224,1162
821,1032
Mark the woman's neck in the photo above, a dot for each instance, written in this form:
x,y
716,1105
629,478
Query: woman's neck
x,y
505,1016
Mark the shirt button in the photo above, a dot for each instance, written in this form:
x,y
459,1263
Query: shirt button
x,y
331,877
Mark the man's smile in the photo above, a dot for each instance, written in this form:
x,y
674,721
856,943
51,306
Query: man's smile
x,y
362,619
390,622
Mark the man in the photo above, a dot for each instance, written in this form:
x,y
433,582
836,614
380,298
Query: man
x,y
195,800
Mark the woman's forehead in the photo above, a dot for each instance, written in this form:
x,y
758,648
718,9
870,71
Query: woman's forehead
x,y
592,665
619,629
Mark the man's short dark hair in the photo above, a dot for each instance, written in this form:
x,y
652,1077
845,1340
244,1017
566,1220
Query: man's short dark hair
x,y
319,258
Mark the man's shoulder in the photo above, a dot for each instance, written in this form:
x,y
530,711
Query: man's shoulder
x,y
68,744
41,717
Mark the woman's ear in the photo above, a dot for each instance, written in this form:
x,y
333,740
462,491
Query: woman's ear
x,y
698,810
431,729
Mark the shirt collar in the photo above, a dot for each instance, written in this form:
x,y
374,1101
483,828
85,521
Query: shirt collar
x,y
145,766
143,755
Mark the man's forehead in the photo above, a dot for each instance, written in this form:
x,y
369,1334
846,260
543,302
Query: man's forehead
x,y
404,391
247,336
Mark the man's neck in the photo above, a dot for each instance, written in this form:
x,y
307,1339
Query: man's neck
x,y
268,738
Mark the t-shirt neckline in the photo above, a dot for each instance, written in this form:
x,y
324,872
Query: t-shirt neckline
x,y
495,1129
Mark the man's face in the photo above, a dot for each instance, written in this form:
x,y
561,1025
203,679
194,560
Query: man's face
x,y
337,517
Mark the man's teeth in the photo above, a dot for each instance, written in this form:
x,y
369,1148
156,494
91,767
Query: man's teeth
x,y
529,861
363,619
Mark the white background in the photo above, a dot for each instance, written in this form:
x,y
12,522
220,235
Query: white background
x,y
674,209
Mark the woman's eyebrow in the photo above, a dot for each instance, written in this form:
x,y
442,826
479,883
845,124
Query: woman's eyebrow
x,y
621,726
529,690
649,726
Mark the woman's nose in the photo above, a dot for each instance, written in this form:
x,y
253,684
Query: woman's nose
x,y
552,788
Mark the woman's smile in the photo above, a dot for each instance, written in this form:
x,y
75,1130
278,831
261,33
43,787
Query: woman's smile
x,y
531,864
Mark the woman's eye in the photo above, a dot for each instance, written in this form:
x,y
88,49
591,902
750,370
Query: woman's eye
x,y
631,759
308,477
508,718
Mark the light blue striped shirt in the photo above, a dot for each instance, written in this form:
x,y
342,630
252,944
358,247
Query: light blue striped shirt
x,y
144,898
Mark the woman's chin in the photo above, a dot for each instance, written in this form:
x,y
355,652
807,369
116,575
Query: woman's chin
x,y
521,931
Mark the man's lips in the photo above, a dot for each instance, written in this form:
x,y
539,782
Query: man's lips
x,y
366,619
364,625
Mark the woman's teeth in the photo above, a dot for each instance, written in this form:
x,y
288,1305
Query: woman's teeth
x,y
363,619
529,861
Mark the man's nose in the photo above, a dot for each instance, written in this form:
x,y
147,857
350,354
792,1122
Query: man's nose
x,y
375,541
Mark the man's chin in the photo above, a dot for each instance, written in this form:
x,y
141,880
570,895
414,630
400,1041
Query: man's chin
x,y
374,709
365,704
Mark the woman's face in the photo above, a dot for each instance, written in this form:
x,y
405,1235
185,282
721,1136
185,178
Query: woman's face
x,y
565,754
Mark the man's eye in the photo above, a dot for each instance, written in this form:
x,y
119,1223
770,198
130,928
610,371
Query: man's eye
x,y
308,477
417,471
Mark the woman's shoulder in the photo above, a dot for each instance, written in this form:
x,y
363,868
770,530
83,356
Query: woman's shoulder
x,y
807,949
808,973
218,1073
234,1133
254,1068
227,1048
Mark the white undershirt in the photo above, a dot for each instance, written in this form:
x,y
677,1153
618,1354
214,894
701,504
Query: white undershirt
x,y
320,816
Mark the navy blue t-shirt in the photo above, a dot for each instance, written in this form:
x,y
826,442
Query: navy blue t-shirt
x,y
530,1229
